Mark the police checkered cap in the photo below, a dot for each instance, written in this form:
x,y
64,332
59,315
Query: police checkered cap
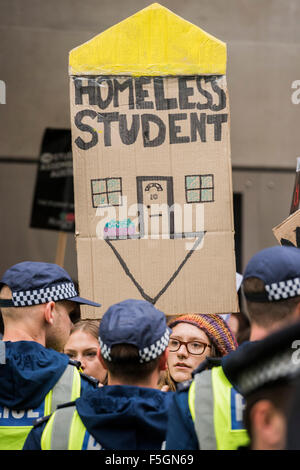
x,y
34,283
266,362
279,269
134,322
283,289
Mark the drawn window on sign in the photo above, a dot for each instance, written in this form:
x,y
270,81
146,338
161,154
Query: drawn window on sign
x,y
106,192
199,188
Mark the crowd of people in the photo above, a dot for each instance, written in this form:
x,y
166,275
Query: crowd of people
x,y
139,380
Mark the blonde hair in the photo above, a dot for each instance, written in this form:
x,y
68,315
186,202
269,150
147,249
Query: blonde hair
x,y
87,326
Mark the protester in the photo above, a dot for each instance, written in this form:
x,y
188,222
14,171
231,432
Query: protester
x,y
82,346
193,338
265,373
37,302
199,417
130,413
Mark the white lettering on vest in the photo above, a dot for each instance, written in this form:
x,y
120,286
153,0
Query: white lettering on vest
x,y
17,414
33,414
93,444
239,407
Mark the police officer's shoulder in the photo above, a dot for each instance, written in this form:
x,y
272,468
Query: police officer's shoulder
x,y
207,364
77,364
90,379
263,363
43,419
86,377
183,386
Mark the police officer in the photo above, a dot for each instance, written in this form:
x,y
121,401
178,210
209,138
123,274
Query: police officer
x,y
266,373
131,412
207,413
38,301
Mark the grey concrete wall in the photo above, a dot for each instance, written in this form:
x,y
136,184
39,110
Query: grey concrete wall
x,y
263,39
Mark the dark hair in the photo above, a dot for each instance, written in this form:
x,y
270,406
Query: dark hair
x,y
265,314
126,366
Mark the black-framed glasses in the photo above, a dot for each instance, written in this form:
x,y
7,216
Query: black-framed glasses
x,y
193,347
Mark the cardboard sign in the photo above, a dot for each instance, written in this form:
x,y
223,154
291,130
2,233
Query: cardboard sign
x,y
288,232
296,192
53,203
152,174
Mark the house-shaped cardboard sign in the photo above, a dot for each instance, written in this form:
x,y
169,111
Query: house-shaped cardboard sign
x,y
152,169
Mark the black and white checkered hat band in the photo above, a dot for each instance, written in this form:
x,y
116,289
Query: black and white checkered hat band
x,y
147,354
41,296
279,367
152,352
283,289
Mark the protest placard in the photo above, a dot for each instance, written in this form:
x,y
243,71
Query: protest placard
x,y
152,169
288,232
53,200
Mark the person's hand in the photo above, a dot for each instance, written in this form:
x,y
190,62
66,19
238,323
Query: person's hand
x,y
165,388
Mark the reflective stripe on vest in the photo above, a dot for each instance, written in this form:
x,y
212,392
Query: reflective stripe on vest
x,y
17,424
213,406
204,411
66,389
66,431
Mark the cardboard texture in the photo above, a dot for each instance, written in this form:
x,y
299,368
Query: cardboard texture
x,y
152,177
295,198
288,232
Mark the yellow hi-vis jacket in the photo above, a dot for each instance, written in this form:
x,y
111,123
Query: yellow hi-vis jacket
x,y
217,409
14,434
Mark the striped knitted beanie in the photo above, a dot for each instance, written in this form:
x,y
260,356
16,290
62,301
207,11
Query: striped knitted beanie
x,y
215,327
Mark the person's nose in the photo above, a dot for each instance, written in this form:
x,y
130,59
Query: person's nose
x,y
182,351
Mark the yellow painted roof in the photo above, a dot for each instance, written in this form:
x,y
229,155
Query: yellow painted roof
x,y
152,42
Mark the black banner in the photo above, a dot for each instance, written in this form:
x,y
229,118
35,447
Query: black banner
x,y
53,202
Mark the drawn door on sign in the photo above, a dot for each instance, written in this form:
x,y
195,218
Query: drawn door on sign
x,y
155,199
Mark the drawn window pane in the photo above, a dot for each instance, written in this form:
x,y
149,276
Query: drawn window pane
x,y
193,182
199,188
193,195
206,195
207,181
114,199
99,186
106,192
99,200
114,184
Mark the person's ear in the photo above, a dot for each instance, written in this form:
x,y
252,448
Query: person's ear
x,y
268,426
163,361
296,312
99,355
49,308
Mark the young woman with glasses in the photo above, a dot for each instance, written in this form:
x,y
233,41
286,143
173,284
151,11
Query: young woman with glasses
x,y
193,338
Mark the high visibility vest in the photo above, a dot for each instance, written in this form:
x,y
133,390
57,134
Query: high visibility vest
x,y
66,431
217,411
16,425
